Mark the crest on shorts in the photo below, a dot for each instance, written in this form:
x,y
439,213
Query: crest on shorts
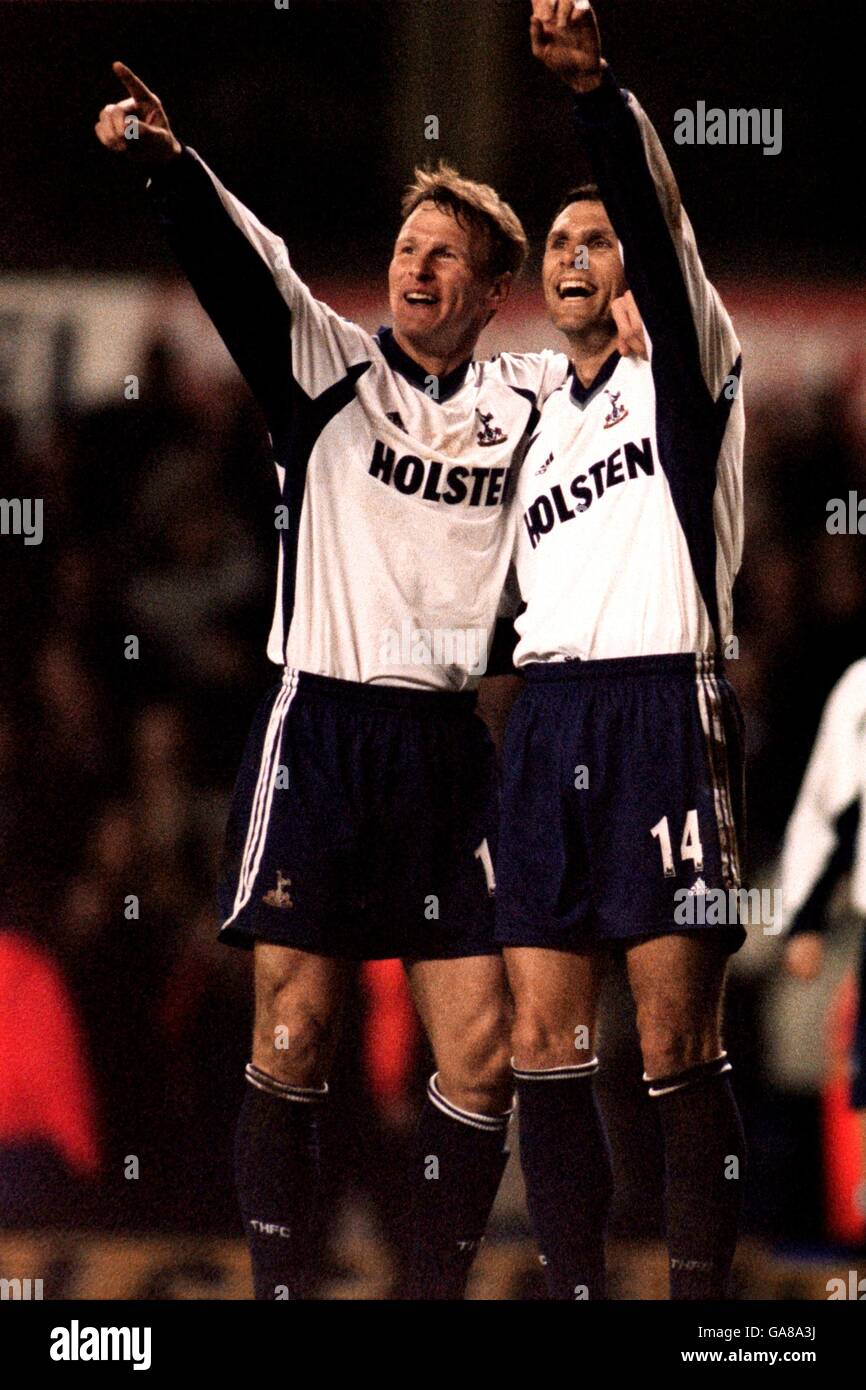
x,y
617,412
279,896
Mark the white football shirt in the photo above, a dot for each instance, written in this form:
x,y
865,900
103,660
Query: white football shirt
x,y
395,520
630,495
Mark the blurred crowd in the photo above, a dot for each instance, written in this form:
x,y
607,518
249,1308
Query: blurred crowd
x,y
117,761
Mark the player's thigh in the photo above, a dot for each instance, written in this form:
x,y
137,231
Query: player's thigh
x,y
555,1004
677,982
299,998
465,1008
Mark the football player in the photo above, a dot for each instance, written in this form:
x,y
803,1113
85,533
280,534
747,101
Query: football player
x,y
622,772
364,816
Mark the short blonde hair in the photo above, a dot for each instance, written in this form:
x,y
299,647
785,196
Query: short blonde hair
x,y
476,205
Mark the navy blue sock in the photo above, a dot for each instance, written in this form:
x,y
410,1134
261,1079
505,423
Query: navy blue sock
x,y
569,1181
705,1159
457,1167
278,1172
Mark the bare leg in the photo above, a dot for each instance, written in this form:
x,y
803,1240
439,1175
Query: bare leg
x,y
678,985
299,1002
465,1008
555,1005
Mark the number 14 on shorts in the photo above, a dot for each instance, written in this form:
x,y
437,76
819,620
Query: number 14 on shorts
x,y
690,845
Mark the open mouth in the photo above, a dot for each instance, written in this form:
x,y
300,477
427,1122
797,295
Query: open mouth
x,y
575,289
419,297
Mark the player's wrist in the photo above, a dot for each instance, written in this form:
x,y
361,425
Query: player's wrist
x,y
166,153
583,82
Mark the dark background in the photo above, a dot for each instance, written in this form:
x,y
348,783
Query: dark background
x,y
314,116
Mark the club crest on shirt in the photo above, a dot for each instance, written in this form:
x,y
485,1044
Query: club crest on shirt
x,y
617,412
488,434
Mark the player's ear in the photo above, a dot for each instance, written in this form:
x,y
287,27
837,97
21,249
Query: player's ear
x,y
499,291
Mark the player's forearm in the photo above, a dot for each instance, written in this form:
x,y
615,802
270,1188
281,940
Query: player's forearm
x,y
231,262
638,190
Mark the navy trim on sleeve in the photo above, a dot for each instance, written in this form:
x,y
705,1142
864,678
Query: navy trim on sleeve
x,y
237,290
233,284
688,420
525,442
813,914
307,420
612,138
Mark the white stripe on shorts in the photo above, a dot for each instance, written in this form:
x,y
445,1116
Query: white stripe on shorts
x,y
263,795
710,704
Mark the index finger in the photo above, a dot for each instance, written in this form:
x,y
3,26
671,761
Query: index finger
x,y
133,84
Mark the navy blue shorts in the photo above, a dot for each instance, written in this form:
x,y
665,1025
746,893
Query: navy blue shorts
x,y
622,786
363,824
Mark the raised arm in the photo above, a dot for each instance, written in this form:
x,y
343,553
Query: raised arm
x,y
280,337
680,308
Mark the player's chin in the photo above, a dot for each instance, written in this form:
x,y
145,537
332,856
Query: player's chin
x,y
583,315
426,330
572,315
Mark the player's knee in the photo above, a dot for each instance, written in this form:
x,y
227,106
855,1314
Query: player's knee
x,y
292,1042
669,1047
541,1042
476,1073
